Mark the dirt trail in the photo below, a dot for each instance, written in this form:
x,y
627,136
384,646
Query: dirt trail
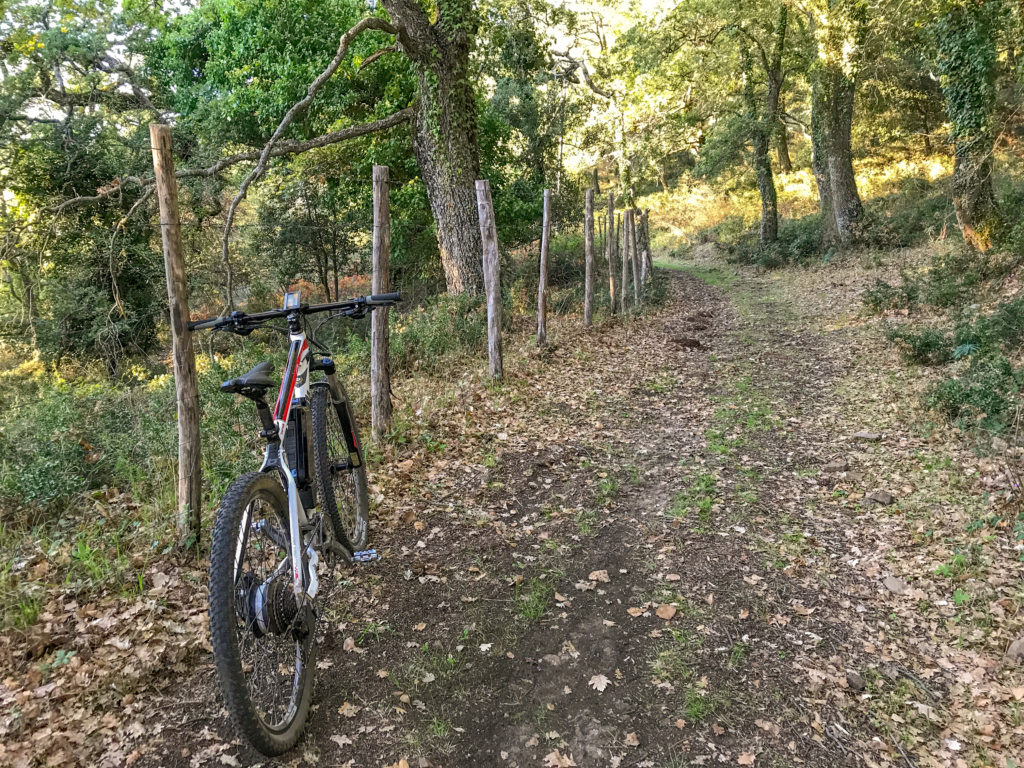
x,y
652,548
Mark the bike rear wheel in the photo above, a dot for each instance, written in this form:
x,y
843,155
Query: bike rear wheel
x,y
263,640
343,492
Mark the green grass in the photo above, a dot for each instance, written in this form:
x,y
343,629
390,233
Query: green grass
x,y
714,276
698,498
607,489
533,598
586,522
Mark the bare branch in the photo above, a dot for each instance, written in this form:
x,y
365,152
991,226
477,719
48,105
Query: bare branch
x,y
298,107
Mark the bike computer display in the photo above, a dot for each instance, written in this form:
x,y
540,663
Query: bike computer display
x,y
292,300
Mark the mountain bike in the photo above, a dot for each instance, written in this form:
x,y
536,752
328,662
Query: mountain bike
x,y
281,530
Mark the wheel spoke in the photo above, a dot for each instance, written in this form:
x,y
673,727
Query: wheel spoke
x,y
271,661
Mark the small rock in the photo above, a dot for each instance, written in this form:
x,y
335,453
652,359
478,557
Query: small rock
x,y
880,497
855,681
687,343
896,585
868,437
1016,650
836,465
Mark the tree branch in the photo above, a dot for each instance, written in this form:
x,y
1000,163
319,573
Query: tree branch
x,y
299,106
289,147
582,67
376,55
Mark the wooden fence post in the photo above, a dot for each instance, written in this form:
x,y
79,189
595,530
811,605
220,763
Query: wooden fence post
x,y
542,283
648,260
492,277
610,249
588,259
623,260
381,407
636,256
186,382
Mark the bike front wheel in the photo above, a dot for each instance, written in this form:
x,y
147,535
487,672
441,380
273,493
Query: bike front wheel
x,y
263,639
343,494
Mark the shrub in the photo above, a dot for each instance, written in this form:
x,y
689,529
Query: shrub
x,y
429,336
985,396
953,277
800,238
904,218
926,346
882,296
1003,329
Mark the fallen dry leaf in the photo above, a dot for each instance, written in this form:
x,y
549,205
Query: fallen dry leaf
x,y
348,710
556,759
666,611
747,758
599,682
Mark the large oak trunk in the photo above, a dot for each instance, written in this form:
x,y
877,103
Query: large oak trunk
x,y
973,199
769,231
845,200
819,165
968,57
446,150
445,139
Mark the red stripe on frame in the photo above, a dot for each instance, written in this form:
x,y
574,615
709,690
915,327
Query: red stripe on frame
x,y
291,387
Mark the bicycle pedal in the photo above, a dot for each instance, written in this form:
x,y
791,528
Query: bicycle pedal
x,y
365,556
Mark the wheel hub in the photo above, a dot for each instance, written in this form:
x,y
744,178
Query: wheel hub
x,y
268,607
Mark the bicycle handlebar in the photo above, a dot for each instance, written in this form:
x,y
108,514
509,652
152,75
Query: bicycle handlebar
x,y
356,307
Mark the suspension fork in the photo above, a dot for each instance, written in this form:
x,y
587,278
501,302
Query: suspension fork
x,y
339,399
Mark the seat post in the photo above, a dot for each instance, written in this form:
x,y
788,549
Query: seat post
x,y
269,430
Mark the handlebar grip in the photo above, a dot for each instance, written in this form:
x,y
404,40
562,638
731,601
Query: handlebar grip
x,y
384,298
198,325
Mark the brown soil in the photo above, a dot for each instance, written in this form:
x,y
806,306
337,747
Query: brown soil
x,y
628,555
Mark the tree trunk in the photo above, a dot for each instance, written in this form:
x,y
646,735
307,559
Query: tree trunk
x,y
833,82
973,199
782,147
769,231
763,119
839,119
967,63
445,135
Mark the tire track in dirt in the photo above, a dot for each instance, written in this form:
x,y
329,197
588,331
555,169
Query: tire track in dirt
x,y
621,557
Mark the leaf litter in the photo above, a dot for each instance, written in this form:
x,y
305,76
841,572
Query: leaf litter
x,y
784,644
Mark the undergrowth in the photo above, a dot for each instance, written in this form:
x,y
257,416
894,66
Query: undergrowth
x,y
87,462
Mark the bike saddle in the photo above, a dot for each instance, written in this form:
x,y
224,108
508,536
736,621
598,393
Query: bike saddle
x,y
255,382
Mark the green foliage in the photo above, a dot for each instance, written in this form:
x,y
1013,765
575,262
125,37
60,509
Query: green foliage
x,y
927,346
428,337
917,210
881,296
965,34
951,281
985,396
